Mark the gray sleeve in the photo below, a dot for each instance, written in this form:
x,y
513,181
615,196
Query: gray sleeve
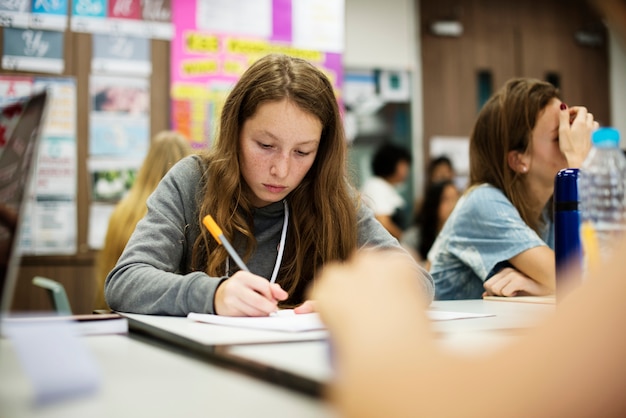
x,y
372,234
153,274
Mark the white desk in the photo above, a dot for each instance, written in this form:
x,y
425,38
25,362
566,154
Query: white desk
x,y
141,378
511,321
463,336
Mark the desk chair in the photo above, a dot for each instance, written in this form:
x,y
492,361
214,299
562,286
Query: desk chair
x,y
57,294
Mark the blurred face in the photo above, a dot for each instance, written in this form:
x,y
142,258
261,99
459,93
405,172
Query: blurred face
x,y
546,158
278,147
449,197
441,172
401,173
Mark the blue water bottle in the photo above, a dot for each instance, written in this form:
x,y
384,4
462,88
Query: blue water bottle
x,y
567,247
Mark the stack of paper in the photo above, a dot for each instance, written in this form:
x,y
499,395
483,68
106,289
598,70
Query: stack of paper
x,y
287,320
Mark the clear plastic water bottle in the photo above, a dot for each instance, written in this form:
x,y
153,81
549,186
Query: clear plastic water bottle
x,y
602,185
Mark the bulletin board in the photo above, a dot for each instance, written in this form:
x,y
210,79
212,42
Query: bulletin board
x,y
62,48
215,41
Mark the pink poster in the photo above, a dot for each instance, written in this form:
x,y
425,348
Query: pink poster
x,y
125,9
215,41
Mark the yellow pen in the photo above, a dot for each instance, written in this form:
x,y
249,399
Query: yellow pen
x,y
216,231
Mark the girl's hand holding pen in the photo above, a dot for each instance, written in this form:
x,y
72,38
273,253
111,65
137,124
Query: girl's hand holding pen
x,y
246,294
575,127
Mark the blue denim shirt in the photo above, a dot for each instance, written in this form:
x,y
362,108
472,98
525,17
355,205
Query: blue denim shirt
x,y
483,232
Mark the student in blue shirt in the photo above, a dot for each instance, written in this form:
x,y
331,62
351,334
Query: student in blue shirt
x,y
499,238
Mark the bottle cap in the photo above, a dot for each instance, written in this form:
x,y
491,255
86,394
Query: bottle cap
x,y
605,138
566,186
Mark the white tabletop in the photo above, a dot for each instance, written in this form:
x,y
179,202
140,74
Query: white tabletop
x,y
481,335
141,380
509,321
144,379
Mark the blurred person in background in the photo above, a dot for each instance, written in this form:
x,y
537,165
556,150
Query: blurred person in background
x,y
166,149
439,200
391,166
440,169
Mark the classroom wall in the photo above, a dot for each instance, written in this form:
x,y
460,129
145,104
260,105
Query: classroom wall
x,y
380,34
372,26
75,272
617,83
383,35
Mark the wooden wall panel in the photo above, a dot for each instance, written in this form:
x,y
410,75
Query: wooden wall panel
x,y
524,38
552,46
82,64
492,43
75,274
160,87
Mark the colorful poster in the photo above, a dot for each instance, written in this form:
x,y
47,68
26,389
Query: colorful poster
x,y
123,96
50,224
20,6
157,11
121,54
236,17
50,7
34,14
318,25
125,9
99,215
14,87
213,47
124,17
119,123
141,18
15,13
89,16
112,178
49,14
56,168
157,15
61,118
89,8
117,136
33,50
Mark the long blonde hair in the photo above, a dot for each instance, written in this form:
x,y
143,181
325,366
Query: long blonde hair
x,y
166,149
322,225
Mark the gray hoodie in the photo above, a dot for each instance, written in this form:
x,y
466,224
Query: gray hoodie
x,y
153,274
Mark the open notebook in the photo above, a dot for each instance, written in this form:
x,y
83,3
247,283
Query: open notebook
x,y
20,124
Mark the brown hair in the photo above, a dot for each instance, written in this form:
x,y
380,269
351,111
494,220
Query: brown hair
x,y
505,124
166,149
323,221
